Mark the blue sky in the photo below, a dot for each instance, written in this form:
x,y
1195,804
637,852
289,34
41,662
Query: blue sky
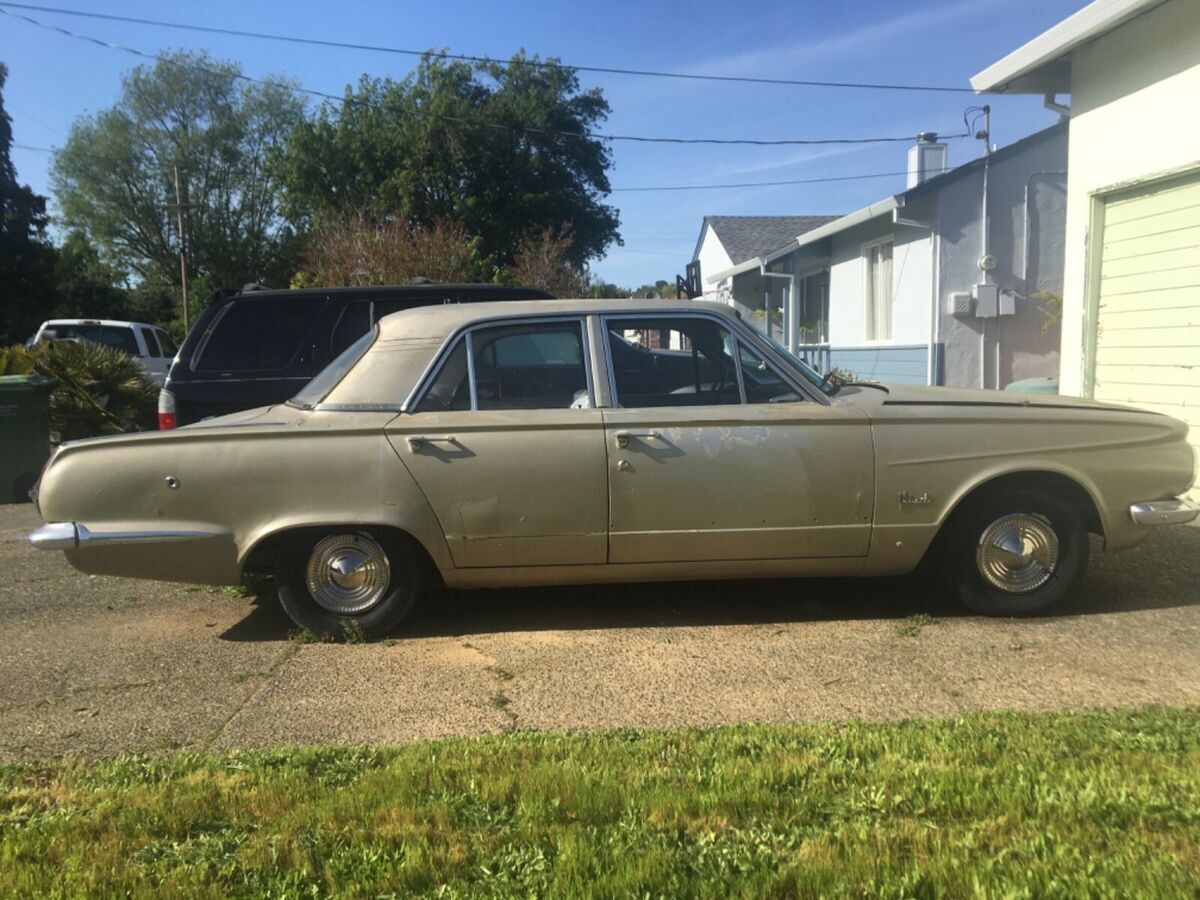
x,y
53,79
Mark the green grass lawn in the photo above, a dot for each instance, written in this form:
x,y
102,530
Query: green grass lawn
x,y
997,805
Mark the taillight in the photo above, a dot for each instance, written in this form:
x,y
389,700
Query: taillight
x,y
166,410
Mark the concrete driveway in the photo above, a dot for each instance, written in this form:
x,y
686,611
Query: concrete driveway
x,y
94,666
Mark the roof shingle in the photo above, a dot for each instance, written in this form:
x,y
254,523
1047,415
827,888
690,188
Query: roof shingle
x,y
745,237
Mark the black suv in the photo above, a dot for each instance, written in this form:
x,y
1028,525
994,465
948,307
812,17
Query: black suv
x,y
257,347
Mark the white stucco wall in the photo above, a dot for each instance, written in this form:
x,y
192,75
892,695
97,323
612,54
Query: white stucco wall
x,y
911,274
1133,100
713,259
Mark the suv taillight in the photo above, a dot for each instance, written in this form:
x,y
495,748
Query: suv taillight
x,y
166,410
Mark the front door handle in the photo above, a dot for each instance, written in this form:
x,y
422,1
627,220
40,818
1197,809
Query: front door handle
x,y
417,441
624,436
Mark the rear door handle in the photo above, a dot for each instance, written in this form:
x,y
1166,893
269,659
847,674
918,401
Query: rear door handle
x,y
624,436
417,441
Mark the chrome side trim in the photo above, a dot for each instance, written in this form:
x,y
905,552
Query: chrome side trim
x,y
1164,512
356,407
69,535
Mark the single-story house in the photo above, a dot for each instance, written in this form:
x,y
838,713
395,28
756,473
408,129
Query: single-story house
x,y
727,241
951,282
1131,287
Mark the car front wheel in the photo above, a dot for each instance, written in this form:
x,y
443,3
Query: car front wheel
x,y
348,584
1014,553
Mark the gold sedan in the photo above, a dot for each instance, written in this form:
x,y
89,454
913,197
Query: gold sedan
x,y
557,442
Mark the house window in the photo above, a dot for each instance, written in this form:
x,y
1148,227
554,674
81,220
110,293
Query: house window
x,y
877,270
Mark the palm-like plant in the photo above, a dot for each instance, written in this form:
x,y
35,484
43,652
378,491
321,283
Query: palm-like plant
x,y
100,390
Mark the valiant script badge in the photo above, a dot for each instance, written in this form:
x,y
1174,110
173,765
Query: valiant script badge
x,y
907,499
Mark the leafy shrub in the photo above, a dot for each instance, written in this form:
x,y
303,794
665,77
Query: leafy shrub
x,y
15,361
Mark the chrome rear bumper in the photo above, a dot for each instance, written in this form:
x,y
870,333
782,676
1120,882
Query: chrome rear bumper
x,y
69,535
1164,512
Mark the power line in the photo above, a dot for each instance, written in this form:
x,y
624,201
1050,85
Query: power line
x,y
752,184
527,129
678,187
464,57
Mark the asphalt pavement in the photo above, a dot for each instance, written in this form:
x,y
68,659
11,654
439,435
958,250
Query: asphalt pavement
x,y
98,666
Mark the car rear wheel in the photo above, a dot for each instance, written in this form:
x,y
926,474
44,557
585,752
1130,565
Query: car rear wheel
x,y
348,584
1014,553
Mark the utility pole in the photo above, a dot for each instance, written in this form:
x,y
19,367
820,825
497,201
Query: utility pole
x,y
179,206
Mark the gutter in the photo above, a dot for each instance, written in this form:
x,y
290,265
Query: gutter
x,y
874,211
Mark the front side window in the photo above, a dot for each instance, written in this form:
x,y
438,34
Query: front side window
x,y
761,380
877,270
673,361
530,366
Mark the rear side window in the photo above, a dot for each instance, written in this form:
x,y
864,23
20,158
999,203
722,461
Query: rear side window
x,y
354,322
533,366
164,341
254,334
151,340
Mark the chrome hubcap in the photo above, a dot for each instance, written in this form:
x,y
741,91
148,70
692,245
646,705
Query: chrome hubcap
x,y
347,573
1018,553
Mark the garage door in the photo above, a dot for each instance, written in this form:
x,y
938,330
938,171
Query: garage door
x,y
1147,338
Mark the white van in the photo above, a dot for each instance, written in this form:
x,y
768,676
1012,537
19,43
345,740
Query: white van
x,y
149,343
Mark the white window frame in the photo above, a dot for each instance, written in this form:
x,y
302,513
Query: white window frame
x,y
868,281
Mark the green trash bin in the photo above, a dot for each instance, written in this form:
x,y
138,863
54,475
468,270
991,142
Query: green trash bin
x,y
24,433
1044,385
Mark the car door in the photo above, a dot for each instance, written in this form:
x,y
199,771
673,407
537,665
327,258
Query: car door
x,y
508,447
716,454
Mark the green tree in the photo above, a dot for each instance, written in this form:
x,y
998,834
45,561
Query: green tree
x,y
84,285
115,177
453,141
26,258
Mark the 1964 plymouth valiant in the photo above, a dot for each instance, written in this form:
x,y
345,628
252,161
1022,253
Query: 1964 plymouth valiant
x,y
559,442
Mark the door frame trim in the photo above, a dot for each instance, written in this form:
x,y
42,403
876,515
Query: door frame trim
x,y
431,372
733,326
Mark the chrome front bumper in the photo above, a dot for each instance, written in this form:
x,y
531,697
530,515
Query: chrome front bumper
x,y
1164,512
69,535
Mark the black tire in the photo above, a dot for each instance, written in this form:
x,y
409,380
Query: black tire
x,y
399,592
960,553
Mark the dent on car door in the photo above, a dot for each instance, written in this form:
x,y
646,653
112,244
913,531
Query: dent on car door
x,y
508,447
714,454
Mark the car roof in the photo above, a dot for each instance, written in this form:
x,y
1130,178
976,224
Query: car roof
x,y
438,321
119,323
436,288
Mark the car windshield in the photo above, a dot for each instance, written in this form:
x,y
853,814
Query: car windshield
x,y
808,372
327,379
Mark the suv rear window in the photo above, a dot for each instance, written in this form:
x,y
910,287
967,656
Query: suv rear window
x,y
255,334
